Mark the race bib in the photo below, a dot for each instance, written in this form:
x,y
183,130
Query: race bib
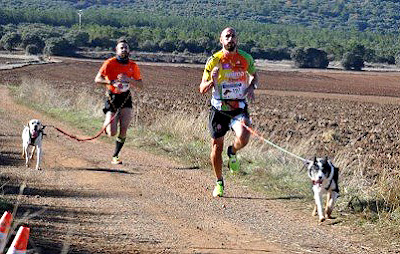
x,y
122,86
232,91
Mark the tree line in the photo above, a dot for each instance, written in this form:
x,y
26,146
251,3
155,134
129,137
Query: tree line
x,y
57,32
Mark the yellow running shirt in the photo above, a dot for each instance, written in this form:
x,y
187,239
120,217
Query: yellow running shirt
x,y
233,79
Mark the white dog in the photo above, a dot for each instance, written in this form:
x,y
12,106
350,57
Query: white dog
x,y
324,176
32,135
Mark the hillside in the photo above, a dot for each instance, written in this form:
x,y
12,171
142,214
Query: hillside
x,y
378,15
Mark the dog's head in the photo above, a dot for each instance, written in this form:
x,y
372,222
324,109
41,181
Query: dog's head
x,y
320,169
35,127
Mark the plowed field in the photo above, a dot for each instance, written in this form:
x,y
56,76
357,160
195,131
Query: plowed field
x,y
152,205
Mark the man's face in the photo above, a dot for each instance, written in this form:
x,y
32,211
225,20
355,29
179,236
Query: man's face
x,y
228,39
122,49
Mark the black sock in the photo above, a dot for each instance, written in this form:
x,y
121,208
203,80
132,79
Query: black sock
x,y
119,143
230,151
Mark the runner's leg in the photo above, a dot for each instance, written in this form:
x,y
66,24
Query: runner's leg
x,y
216,156
124,119
242,135
111,129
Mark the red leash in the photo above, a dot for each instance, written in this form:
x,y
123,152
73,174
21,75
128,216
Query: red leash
x,y
86,139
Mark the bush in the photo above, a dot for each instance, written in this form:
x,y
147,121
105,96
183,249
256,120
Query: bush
x,y
167,45
397,59
32,39
102,43
352,61
310,58
58,47
32,49
148,45
10,40
77,38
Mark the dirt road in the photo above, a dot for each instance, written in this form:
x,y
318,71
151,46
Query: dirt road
x,y
150,204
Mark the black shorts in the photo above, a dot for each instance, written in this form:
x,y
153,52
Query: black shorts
x,y
220,121
113,102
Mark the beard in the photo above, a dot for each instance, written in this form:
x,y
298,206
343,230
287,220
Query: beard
x,y
124,55
230,46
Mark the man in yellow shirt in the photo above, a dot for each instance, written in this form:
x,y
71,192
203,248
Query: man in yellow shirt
x,y
232,77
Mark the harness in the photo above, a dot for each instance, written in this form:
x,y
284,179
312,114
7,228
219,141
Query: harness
x,y
32,140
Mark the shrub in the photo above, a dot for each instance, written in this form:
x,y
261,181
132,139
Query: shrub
x,y
310,58
150,46
32,39
58,47
167,45
32,49
10,40
77,38
352,61
397,59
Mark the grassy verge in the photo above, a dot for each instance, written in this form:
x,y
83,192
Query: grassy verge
x,y
185,138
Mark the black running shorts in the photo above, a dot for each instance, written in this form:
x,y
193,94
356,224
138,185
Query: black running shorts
x,y
113,102
220,121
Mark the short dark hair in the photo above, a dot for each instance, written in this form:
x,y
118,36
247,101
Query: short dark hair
x,y
122,40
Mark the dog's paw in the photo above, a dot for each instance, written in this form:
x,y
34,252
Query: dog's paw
x,y
314,212
38,168
322,219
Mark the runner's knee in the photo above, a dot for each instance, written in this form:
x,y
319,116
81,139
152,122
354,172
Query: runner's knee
x,y
121,139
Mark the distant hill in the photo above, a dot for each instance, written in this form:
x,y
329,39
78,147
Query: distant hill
x,y
381,16
267,29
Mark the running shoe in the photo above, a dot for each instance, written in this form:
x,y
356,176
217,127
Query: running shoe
x,y
233,163
219,189
116,160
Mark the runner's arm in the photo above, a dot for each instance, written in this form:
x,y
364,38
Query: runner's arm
x,y
206,84
101,80
252,86
132,82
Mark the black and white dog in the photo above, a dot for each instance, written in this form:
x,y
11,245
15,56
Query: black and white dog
x,y
32,135
324,176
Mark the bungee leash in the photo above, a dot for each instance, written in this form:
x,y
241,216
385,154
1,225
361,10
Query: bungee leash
x,y
117,111
254,133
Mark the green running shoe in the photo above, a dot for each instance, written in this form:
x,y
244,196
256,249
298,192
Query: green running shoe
x,y
219,189
116,160
233,163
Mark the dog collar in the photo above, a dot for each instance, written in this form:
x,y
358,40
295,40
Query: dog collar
x,y
33,139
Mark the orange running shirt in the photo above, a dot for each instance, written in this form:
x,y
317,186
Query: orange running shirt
x,y
111,68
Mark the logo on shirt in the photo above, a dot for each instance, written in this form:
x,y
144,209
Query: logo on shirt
x,y
226,66
235,75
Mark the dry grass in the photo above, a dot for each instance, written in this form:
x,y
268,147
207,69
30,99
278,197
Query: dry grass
x,y
371,196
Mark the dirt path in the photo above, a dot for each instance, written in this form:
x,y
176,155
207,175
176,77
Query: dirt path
x,y
151,204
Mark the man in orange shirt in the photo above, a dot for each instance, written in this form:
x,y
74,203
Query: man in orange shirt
x,y
118,74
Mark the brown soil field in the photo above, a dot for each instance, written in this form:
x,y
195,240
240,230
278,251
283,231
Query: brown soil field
x,y
154,205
